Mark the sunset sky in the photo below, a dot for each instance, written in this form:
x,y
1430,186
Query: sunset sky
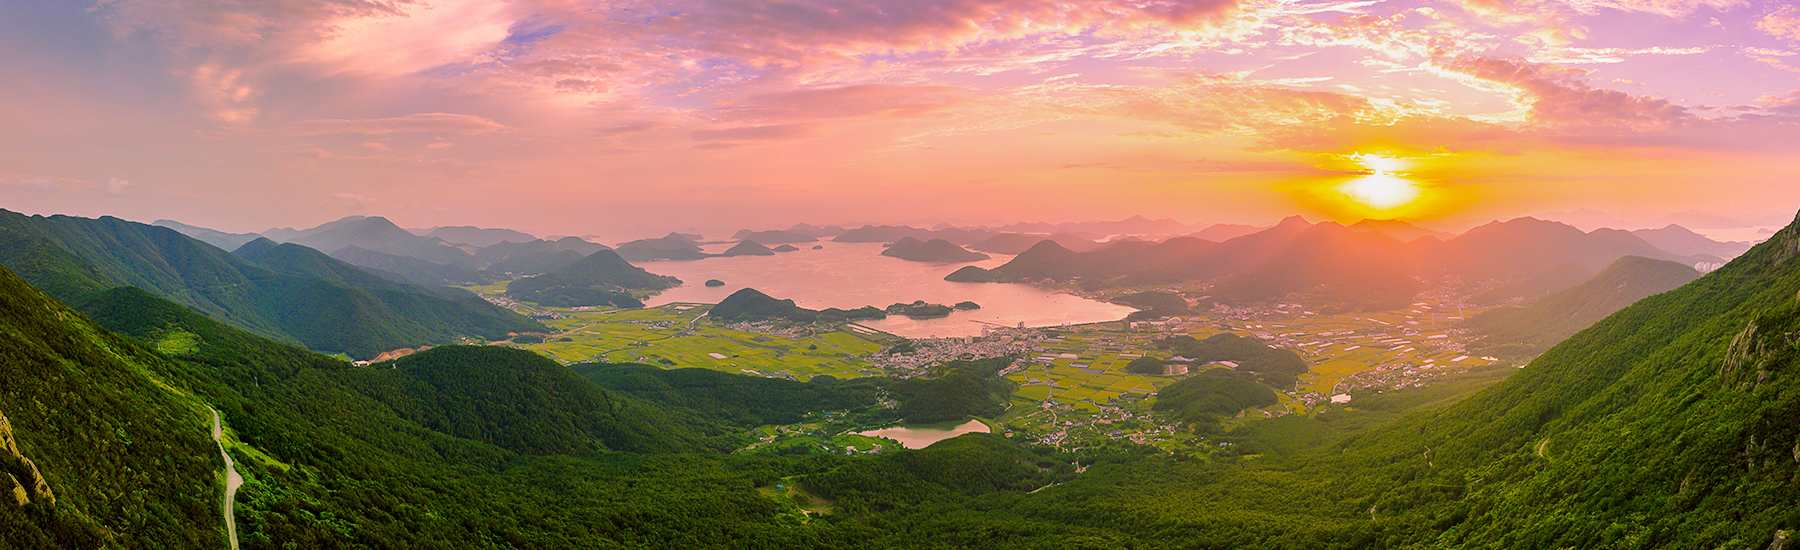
x,y
625,118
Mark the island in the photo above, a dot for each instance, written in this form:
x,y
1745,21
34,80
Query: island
x,y
600,279
934,251
748,248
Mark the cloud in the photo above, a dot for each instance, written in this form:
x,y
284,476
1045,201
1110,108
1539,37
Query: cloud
x,y
350,200
1608,55
1781,23
1560,96
1665,8
630,128
723,138
444,123
863,100
115,186
29,183
1787,104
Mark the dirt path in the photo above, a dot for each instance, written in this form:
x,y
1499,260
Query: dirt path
x,y
232,480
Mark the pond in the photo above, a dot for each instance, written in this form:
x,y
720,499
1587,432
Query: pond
x,y
923,435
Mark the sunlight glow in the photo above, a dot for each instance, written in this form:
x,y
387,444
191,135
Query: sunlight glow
x,y
1381,190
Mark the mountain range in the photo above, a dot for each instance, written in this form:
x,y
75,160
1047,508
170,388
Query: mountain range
x,y
1662,426
1667,424
286,292
1365,265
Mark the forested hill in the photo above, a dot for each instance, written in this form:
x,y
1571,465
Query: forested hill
x,y
95,450
285,292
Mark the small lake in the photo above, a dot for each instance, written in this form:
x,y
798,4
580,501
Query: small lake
x,y
852,275
919,437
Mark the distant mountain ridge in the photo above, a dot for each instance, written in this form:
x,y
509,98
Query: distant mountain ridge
x,y
1363,265
538,256
478,237
1014,243
1556,317
221,239
1679,240
379,235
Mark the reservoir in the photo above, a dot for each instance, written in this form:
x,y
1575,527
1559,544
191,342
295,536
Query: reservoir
x,y
852,275
919,437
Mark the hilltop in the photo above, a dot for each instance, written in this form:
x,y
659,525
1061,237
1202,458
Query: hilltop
x,y
935,251
748,248
601,278
674,246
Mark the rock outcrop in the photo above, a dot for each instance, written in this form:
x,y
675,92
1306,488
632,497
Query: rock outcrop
x,y
26,483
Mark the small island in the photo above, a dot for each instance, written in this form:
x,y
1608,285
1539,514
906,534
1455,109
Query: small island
x,y
786,248
920,310
748,248
714,282
934,251
750,305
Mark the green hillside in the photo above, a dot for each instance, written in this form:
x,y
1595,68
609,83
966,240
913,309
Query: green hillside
x,y
286,292
336,456
95,449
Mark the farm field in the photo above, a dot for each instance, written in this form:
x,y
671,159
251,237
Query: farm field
x,y
1076,383
670,336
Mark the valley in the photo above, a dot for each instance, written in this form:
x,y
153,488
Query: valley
x,y
1071,386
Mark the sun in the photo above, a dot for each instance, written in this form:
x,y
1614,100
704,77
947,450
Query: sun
x,y
1381,190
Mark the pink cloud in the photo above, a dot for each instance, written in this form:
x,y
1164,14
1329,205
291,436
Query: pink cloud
x,y
115,186
1560,96
733,137
861,100
1781,23
448,123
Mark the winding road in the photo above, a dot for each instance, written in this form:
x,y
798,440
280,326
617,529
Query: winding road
x,y
232,480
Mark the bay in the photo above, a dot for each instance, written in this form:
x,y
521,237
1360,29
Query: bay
x,y
852,275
